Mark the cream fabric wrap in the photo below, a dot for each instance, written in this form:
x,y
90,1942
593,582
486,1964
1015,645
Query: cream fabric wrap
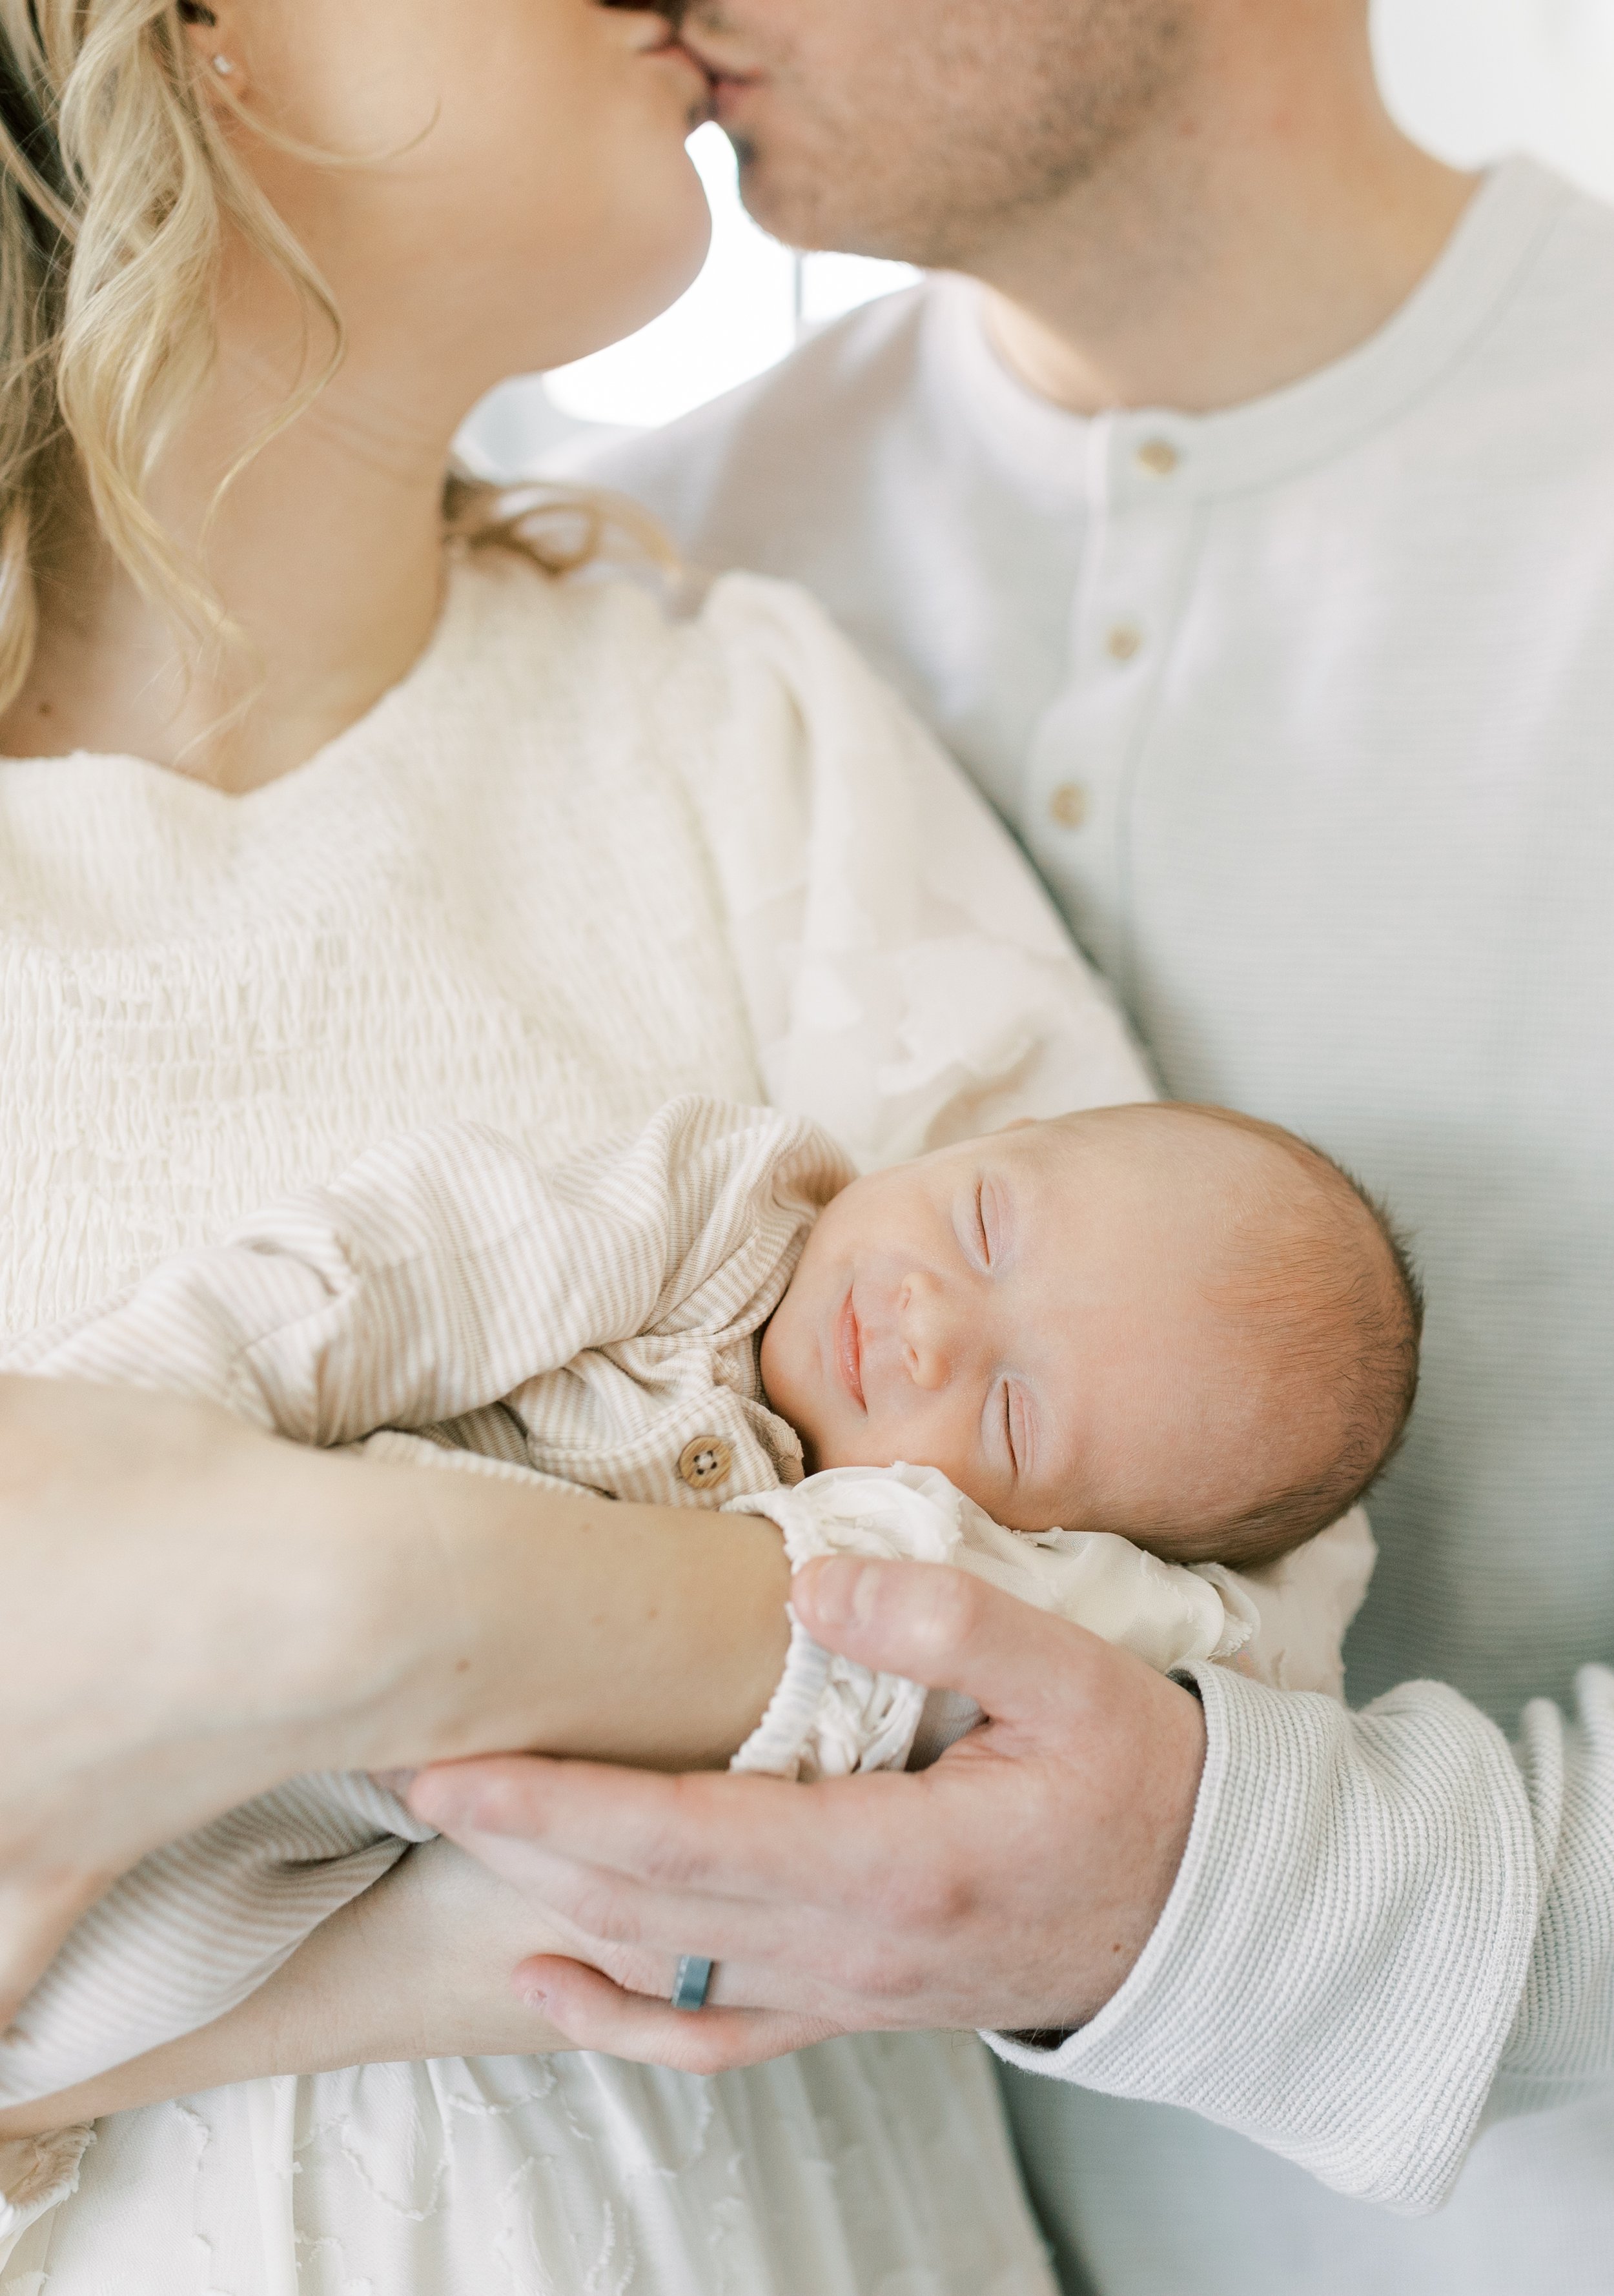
x,y
831,1716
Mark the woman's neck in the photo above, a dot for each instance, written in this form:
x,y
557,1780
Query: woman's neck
x,y
326,554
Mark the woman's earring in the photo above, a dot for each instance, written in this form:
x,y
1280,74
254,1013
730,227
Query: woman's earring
x,y
193,12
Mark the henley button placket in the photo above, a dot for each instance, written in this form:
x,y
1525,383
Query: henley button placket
x,y
1068,806
1086,749
1159,458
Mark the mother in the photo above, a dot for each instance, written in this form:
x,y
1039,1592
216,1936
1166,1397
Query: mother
x,y
317,823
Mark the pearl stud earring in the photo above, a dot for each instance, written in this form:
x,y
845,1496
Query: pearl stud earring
x,y
222,67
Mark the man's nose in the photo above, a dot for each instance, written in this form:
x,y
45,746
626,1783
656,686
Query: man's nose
x,y
924,1321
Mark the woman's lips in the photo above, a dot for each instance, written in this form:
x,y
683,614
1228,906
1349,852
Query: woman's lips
x,y
848,1352
689,67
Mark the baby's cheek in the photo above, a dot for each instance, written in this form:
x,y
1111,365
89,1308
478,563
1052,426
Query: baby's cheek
x,y
868,1442
842,1446
797,1399
780,1364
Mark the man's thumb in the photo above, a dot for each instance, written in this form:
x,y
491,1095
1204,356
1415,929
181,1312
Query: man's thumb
x,y
948,1630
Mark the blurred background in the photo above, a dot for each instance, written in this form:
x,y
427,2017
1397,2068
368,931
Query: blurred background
x,y
1471,79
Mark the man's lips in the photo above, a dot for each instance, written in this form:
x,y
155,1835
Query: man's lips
x,y
729,100
728,78
848,1352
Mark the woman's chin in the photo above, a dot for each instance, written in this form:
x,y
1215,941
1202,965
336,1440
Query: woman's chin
x,y
683,241
690,83
642,281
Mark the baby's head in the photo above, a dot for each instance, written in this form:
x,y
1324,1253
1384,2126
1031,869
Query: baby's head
x,y
1170,1322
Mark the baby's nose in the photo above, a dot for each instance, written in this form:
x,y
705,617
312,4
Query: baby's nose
x,y
923,1322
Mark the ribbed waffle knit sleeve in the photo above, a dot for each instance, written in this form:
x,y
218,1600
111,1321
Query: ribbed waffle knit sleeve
x,y
1387,1925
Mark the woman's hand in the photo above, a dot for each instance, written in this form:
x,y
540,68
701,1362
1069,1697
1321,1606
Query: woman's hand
x,y
417,1967
192,1611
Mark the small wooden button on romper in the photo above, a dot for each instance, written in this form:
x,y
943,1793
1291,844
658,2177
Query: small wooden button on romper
x,y
706,1462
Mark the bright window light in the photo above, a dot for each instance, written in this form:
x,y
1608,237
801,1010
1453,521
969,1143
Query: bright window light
x,y
1472,79
739,317
832,284
751,304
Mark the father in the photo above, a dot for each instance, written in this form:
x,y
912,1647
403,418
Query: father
x,y
1242,511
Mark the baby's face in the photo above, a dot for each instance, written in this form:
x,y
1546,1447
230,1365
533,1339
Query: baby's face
x,y
1029,1313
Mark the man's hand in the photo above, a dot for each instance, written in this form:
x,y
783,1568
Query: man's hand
x,y
1012,1886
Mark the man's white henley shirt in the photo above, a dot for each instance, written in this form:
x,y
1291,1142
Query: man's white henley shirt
x,y
1306,712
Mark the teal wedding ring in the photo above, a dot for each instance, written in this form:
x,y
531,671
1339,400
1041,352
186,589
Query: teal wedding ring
x,y
693,1983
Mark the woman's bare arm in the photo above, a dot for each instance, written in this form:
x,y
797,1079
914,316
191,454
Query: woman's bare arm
x,y
192,1611
418,1967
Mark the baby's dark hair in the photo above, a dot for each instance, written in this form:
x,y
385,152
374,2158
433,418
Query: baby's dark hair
x,y
1338,1296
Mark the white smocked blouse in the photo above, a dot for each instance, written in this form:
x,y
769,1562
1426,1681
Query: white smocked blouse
x,y
584,860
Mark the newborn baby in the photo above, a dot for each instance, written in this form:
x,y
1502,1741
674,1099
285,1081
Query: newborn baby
x,y
1155,1328
1170,1322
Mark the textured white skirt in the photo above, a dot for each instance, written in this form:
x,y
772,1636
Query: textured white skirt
x,y
878,2166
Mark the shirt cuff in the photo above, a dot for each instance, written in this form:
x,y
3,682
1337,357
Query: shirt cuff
x,y
1340,1959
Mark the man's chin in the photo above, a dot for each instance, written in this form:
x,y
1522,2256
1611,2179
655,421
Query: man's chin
x,y
789,205
781,191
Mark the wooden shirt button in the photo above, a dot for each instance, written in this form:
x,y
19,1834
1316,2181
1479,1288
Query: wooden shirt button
x,y
1068,805
1158,457
706,1463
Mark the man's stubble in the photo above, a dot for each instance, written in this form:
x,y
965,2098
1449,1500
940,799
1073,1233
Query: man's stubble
x,y
925,130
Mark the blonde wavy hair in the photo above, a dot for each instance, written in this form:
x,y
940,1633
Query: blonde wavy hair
x,y
117,189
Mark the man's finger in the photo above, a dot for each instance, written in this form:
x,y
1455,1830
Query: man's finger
x,y
745,1839
598,2015
603,1910
951,1631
